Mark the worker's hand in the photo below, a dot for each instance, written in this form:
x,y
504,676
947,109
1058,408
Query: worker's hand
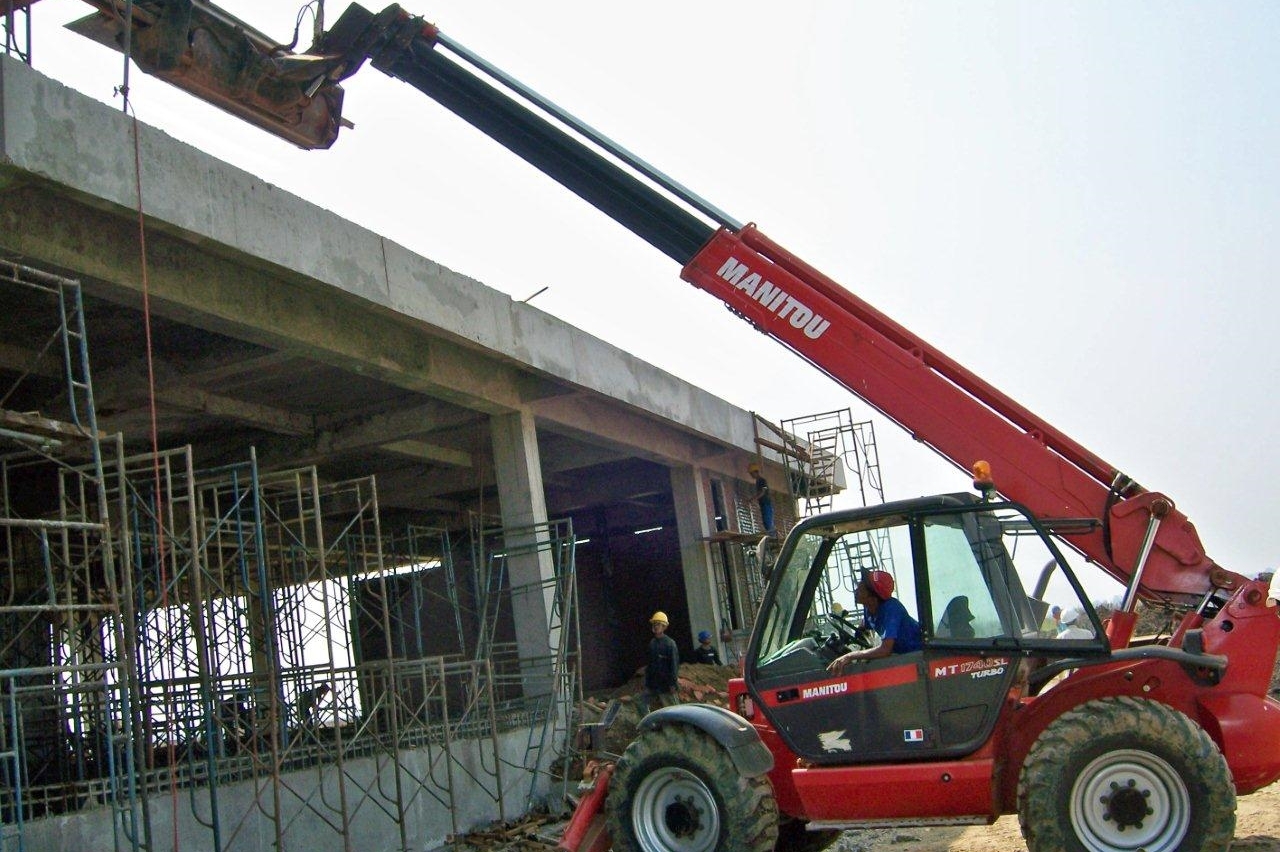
x,y
838,664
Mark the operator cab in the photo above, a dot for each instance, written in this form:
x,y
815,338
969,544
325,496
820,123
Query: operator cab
x,y
962,568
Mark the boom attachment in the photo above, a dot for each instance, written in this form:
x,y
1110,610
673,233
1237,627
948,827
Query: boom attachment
x,y
220,59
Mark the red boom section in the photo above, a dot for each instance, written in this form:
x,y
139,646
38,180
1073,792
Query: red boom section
x,y
947,407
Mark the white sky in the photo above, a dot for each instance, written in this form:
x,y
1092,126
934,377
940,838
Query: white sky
x,y
1076,200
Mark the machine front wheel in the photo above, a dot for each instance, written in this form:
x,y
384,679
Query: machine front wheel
x,y
676,790
1124,774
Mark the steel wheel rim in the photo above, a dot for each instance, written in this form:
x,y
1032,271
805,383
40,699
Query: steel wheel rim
x,y
1112,792
674,809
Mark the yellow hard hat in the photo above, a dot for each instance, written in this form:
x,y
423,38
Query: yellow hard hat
x,y
659,616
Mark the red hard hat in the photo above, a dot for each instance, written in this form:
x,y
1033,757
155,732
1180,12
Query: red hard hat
x,y
880,583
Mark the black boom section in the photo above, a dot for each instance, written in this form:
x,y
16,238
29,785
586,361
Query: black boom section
x,y
647,213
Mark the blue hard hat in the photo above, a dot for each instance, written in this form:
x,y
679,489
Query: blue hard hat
x,y
704,635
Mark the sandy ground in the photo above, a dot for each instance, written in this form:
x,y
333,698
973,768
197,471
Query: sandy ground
x,y
1257,830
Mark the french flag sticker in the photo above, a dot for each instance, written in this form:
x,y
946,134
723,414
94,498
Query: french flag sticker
x,y
914,735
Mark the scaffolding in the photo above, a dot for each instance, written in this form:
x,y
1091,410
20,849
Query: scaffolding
x,y
230,655
545,675
817,450
823,455
816,446
15,21
65,709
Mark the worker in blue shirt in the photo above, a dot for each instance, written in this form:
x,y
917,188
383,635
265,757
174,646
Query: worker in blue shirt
x,y
706,653
899,632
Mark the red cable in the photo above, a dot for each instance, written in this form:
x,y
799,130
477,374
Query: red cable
x,y
155,443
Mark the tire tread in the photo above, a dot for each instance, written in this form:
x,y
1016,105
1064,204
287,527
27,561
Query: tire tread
x,y
1119,717
750,820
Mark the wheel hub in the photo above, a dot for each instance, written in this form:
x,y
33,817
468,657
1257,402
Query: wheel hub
x,y
1126,805
683,816
674,809
1129,800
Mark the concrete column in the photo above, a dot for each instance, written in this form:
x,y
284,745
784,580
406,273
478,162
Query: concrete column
x,y
693,520
523,503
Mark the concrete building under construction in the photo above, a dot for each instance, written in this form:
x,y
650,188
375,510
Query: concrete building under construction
x,y
300,533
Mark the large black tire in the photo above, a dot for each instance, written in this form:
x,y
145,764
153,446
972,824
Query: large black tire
x,y
676,790
1123,774
794,837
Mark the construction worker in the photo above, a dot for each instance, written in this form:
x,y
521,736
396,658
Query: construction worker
x,y
899,632
762,497
1075,626
661,675
706,653
309,704
1052,625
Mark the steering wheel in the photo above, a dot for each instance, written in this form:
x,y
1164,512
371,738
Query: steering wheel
x,y
833,646
844,639
848,634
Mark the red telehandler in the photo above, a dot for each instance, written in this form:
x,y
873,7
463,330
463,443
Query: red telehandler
x,y
1098,741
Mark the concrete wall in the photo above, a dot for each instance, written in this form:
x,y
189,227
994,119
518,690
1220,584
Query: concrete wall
x,y
310,805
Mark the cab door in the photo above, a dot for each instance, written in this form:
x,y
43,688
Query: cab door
x,y
972,647
873,711
992,576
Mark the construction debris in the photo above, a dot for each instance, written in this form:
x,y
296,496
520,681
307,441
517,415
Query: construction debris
x,y
537,832
534,832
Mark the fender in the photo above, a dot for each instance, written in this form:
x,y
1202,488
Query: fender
x,y
750,756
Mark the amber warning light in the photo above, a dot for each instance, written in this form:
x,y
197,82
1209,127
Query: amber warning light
x,y
982,478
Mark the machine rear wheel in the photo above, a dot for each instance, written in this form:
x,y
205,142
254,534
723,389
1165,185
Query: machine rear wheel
x,y
1121,775
676,790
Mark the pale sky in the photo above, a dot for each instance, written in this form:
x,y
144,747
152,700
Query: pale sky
x,y
1076,200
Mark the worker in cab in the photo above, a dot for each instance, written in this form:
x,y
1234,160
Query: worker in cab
x,y
899,633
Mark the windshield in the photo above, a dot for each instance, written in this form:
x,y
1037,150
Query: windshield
x,y
791,579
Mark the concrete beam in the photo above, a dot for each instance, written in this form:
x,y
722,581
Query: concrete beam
x,y
212,292
423,451
388,426
264,417
596,420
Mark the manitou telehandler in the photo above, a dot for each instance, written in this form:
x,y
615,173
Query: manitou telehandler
x,y
1098,742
